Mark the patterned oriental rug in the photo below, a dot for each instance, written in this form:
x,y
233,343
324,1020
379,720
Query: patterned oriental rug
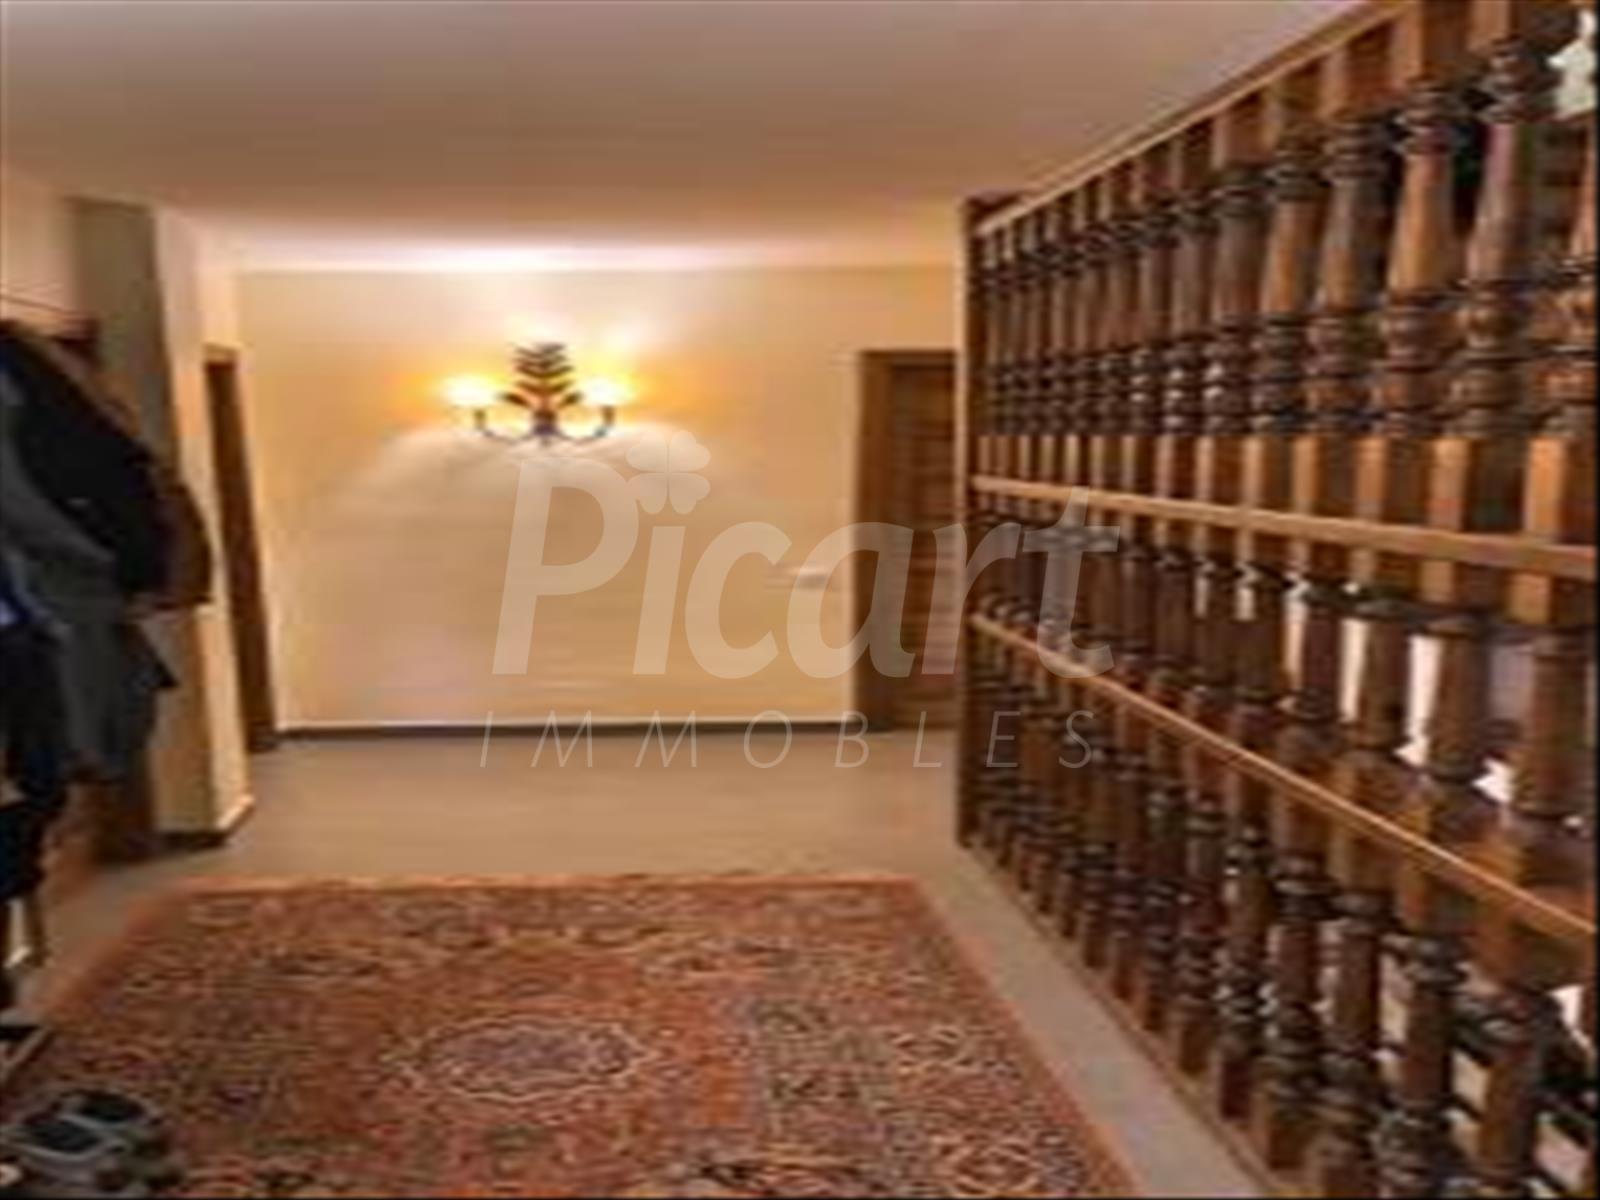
x,y
637,1037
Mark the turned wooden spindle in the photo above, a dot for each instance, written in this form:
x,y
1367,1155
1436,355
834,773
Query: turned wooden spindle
x,y
1069,267
1118,328
1079,787
1132,784
1095,624
1241,234
1166,822
977,819
1096,282
1522,1022
1312,735
1004,785
1105,416
1028,280
1344,332
1028,842
1002,356
1450,801
1046,267
1017,839
1204,919
1175,621
1037,311
1150,321
1571,384
1194,287
1418,1151
1490,399
1339,384
1241,237
1064,824
1260,681
1374,771
971,786
1418,335
1158,241
1346,1155
1048,820
1019,282
1542,843
1014,279
1244,973
1098,854
1550,766
1286,1122
1087,326
1417,319
982,329
1211,690
985,681
1477,475
1295,197
1114,412
1193,232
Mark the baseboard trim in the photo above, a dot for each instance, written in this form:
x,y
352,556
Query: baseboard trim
x,y
194,840
626,727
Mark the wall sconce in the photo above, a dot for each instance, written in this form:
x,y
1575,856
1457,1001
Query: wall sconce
x,y
544,390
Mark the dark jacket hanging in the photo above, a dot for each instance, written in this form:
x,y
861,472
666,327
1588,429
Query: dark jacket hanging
x,y
83,453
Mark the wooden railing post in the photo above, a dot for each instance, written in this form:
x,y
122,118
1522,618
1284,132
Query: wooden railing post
x,y
1340,386
1287,1122
1067,264
1346,1153
1421,1156
1204,919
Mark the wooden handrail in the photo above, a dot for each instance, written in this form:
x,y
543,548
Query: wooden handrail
x,y
1499,552
1565,914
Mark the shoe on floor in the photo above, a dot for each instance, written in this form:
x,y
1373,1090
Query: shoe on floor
x,y
63,1159
131,1122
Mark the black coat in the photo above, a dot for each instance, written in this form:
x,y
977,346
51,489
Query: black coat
x,y
89,468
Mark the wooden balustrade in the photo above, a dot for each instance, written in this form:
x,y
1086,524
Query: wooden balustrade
x,y
1310,349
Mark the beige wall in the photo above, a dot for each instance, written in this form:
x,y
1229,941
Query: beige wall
x,y
216,286
36,257
387,524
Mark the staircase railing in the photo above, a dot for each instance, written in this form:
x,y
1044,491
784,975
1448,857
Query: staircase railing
x,y
1321,348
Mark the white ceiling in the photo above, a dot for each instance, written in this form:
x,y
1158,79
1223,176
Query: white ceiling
x,y
354,133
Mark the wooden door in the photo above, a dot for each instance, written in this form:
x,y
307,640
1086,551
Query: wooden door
x,y
907,478
240,552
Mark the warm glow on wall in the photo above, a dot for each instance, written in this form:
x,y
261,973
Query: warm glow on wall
x,y
606,391
471,392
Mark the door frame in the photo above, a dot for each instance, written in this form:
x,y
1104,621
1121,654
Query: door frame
x,y
241,550
873,692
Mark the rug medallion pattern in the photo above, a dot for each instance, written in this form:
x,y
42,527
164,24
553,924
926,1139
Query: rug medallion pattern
x,y
630,1038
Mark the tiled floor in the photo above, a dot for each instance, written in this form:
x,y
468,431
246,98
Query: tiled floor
x,y
437,806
